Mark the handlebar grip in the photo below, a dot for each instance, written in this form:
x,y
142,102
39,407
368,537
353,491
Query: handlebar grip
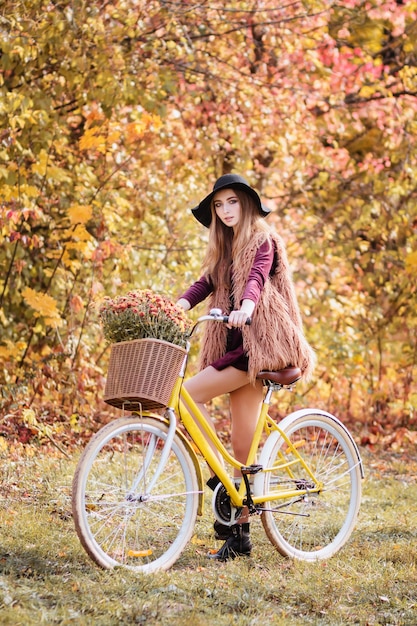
x,y
217,313
225,319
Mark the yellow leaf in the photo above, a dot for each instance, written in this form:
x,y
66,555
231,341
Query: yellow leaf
x,y
114,136
4,352
41,302
409,46
81,234
9,192
77,234
29,417
67,261
12,349
197,542
18,347
30,191
139,553
54,322
80,246
411,262
154,121
137,129
40,166
92,140
367,91
3,318
80,214
94,115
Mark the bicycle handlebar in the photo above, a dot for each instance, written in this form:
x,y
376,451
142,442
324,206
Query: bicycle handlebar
x,y
215,315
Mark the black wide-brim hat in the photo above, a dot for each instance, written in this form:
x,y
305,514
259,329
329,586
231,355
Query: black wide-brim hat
x,y
202,212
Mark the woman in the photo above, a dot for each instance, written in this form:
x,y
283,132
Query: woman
x,y
246,274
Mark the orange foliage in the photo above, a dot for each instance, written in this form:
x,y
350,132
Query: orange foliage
x,y
102,155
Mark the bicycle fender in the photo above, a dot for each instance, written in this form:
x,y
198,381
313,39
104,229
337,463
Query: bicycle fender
x,y
164,420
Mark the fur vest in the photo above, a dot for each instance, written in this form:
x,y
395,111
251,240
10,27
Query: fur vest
x,y
275,338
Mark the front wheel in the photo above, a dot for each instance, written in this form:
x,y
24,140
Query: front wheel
x,y
128,511
317,523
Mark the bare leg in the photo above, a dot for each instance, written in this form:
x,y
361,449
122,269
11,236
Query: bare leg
x,y
245,403
245,408
210,383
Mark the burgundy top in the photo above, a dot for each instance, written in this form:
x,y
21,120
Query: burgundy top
x,y
263,266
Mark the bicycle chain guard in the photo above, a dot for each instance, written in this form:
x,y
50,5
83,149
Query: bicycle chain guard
x,y
223,510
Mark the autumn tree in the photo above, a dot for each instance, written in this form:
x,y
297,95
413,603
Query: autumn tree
x,y
116,117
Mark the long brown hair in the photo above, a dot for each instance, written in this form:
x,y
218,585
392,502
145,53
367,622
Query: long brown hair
x,y
225,244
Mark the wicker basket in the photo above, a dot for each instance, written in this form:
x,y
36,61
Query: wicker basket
x,y
142,373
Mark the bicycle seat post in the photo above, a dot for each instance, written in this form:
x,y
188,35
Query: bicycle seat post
x,y
271,387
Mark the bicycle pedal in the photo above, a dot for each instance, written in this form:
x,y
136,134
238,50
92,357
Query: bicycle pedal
x,y
213,482
251,469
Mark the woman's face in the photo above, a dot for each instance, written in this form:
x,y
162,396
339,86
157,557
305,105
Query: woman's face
x,y
227,207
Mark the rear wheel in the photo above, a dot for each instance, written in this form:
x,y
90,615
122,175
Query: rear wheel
x,y
312,525
125,513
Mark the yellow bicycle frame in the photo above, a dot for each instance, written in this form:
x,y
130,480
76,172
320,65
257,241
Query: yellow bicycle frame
x,y
201,434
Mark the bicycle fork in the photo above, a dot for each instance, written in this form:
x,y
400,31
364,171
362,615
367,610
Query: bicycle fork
x,y
148,459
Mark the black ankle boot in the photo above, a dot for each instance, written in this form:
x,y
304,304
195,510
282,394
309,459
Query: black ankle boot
x,y
221,531
238,544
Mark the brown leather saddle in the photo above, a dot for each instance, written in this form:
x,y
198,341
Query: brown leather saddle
x,y
286,376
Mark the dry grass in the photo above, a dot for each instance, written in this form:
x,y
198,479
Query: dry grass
x,y
46,578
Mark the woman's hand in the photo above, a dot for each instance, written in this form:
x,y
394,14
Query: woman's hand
x,y
238,318
183,304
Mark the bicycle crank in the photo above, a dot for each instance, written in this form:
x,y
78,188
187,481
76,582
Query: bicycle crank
x,y
223,510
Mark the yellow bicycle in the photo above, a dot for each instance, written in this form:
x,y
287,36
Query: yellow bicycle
x,y
139,486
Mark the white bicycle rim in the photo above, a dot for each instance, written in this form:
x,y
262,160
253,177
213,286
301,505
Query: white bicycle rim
x,y
118,522
312,526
